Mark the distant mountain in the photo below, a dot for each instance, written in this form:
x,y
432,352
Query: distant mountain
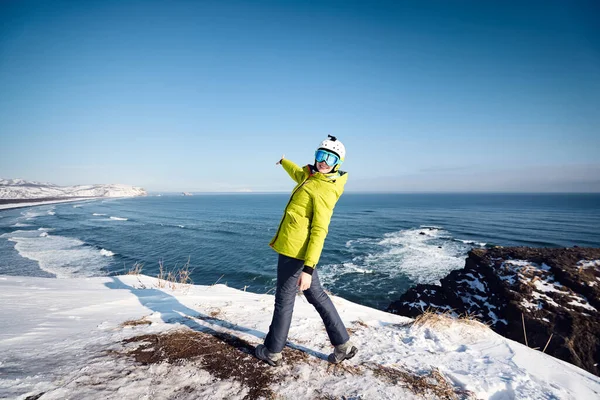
x,y
22,189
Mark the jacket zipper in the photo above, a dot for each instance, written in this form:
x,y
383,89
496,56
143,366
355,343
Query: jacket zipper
x,y
285,209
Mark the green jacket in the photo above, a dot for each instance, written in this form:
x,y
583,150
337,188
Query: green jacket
x,y
305,222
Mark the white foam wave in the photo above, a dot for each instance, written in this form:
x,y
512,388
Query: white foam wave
x,y
423,255
62,256
351,243
107,253
351,267
19,225
118,218
29,215
45,229
480,244
77,206
98,214
181,226
50,212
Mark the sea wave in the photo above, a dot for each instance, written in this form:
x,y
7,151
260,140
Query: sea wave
x,y
98,214
424,255
62,256
106,253
29,215
118,218
480,244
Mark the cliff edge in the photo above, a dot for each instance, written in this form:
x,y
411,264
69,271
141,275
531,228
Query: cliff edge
x,y
553,293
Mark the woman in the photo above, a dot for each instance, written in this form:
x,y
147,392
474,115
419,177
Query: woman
x,y
299,242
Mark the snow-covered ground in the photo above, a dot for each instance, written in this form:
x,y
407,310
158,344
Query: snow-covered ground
x,y
22,189
67,338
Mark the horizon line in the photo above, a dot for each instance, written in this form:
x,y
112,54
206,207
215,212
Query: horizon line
x,y
180,193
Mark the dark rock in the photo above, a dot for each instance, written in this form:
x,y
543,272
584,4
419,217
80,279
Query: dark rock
x,y
557,291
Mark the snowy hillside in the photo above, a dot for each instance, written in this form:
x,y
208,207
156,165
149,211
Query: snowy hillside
x,y
130,337
21,189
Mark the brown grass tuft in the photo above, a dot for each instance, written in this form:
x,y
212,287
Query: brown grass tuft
x,y
432,383
445,320
177,276
136,322
362,323
136,269
223,355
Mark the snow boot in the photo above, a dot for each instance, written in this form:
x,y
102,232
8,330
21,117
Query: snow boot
x,y
273,359
342,352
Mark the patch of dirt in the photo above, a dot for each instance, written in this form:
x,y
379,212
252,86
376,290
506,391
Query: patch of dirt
x,y
223,355
293,356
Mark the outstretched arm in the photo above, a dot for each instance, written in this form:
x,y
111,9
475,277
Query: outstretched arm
x,y
297,173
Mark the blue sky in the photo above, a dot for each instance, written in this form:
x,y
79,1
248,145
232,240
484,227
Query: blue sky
x,y
206,95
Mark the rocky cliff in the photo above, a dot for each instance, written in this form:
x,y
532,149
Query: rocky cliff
x,y
554,293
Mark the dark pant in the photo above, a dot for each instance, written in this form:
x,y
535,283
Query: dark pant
x,y
288,271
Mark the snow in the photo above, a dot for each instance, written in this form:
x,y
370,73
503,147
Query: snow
x,y
545,286
64,338
588,263
544,282
475,283
583,303
21,189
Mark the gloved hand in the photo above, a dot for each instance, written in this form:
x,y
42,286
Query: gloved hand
x,y
279,162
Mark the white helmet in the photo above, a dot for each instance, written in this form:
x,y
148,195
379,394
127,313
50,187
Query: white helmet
x,y
335,146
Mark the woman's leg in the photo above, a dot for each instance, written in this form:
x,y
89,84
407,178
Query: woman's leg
x,y
324,306
288,271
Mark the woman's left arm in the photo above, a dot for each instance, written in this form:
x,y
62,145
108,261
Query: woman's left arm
x,y
323,204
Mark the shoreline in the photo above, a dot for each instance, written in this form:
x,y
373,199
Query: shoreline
x,y
20,203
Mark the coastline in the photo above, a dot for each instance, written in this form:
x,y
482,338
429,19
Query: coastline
x,y
19,203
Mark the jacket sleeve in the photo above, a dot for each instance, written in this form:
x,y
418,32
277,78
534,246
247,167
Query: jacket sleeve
x,y
323,204
298,174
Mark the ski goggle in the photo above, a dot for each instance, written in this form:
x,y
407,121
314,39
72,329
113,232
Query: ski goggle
x,y
329,158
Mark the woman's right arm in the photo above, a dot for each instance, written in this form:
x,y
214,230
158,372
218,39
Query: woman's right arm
x,y
298,174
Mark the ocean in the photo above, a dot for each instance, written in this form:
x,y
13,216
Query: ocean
x,y
378,246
